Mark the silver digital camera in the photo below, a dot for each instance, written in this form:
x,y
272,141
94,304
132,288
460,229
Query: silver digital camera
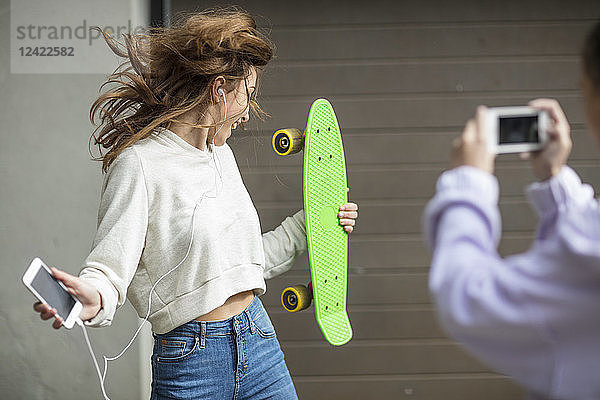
x,y
516,129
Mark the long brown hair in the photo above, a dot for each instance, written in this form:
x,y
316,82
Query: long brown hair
x,y
169,71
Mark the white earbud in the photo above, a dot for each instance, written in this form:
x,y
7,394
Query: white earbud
x,y
222,93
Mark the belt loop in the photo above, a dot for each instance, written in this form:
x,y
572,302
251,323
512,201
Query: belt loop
x,y
202,334
250,322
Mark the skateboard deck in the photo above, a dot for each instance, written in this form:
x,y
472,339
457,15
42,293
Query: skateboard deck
x,y
325,191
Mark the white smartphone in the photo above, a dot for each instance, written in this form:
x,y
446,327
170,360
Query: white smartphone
x,y
516,129
39,280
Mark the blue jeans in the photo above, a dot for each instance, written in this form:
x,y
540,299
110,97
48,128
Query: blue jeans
x,y
238,358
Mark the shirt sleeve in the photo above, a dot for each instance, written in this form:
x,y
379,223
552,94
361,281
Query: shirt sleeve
x,y
467,186
284,244
477,294
120,237
559,194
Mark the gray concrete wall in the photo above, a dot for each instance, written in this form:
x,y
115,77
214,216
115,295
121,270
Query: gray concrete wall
x,y
49,195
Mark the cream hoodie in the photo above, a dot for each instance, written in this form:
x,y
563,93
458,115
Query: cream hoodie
x,y
152,193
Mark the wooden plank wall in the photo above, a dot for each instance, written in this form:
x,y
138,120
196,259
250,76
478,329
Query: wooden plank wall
x,y
403,77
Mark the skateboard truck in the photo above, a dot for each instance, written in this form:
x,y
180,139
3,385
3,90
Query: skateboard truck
x,y
289,141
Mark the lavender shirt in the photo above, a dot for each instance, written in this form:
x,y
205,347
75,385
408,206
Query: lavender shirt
x,y
534,316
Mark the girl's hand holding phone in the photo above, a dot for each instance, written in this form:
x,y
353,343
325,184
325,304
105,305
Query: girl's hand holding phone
x,y
87,295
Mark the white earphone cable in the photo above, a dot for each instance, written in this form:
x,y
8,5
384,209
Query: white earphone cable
x,y
219,170
102,377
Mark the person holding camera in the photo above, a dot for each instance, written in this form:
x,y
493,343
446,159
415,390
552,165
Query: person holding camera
x,y
534,316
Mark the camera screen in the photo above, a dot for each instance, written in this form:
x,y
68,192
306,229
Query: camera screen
x,y
54,294
518,130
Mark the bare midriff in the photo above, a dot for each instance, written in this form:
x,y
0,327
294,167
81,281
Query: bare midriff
x,y
232,306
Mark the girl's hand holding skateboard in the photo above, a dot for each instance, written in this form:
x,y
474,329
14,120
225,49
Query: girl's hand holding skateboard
x,y
348,215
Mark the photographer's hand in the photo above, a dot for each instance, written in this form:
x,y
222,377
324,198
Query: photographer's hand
x,y
549,161
471,147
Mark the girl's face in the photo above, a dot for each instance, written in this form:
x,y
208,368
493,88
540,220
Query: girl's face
x,y
592,106
237,107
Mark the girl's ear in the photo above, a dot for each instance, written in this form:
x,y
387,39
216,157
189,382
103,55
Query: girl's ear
x,y
218,84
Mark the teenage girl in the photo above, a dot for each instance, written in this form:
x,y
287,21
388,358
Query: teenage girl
x,y
178,234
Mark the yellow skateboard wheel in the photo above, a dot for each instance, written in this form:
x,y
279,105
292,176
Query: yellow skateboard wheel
x,y
296,298
288,141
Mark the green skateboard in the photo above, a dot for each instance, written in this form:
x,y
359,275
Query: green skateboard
x,y
324,192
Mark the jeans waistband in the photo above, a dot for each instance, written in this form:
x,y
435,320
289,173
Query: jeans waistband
x,y
239,322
